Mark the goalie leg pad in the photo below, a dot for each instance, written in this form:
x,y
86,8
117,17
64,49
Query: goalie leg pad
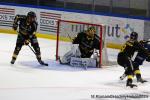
x,y
74,52
82,62
66,58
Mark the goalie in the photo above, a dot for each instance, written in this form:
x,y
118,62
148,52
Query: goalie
x,y
27,27
85,44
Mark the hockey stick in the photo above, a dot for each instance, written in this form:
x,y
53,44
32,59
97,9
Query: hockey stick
x,y
27,44
32,49
132,68
41,62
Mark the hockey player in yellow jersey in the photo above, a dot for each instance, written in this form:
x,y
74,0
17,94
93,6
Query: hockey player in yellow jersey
x,y
126,53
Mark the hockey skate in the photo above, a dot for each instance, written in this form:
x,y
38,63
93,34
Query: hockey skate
x,y
141,80
13,60
130,84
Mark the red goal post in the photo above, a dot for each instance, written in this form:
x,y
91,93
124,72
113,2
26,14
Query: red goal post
x,y
67,30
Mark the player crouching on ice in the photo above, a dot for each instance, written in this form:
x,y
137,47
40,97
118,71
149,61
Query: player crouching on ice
x,y
26,35
125,59
85,44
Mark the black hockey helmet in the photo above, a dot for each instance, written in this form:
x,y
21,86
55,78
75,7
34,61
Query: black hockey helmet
x,y
134,35
31,14
31,17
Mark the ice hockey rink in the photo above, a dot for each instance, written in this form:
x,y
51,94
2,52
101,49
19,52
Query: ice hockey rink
x,y
27,80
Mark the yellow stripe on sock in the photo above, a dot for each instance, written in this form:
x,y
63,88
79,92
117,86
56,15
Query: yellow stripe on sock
x,y
14,55
130,76
137,72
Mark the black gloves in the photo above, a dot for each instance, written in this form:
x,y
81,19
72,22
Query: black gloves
x,y
26,42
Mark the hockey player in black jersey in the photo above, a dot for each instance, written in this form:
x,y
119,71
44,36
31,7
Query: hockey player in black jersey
x,y
125,55
26,34
86,42
138,60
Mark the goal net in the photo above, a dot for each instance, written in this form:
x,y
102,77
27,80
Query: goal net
x,y
67,30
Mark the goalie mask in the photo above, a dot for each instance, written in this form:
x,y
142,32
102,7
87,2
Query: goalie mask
x,y
90,32
134,36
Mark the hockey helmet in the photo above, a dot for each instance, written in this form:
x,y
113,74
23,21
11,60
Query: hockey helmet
x,y
134,35
31,17
31,14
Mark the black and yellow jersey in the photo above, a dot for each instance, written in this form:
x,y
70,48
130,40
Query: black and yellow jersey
x,y
131,46
25,28
87,45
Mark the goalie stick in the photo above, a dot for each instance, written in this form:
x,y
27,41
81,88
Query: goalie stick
x,y
69,37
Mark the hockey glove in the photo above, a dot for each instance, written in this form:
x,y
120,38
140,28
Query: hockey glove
x,y
26,42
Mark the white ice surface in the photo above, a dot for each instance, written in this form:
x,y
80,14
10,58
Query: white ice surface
x,y
27,80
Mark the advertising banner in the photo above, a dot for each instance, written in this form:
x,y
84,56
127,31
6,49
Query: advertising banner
x,y
117,29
